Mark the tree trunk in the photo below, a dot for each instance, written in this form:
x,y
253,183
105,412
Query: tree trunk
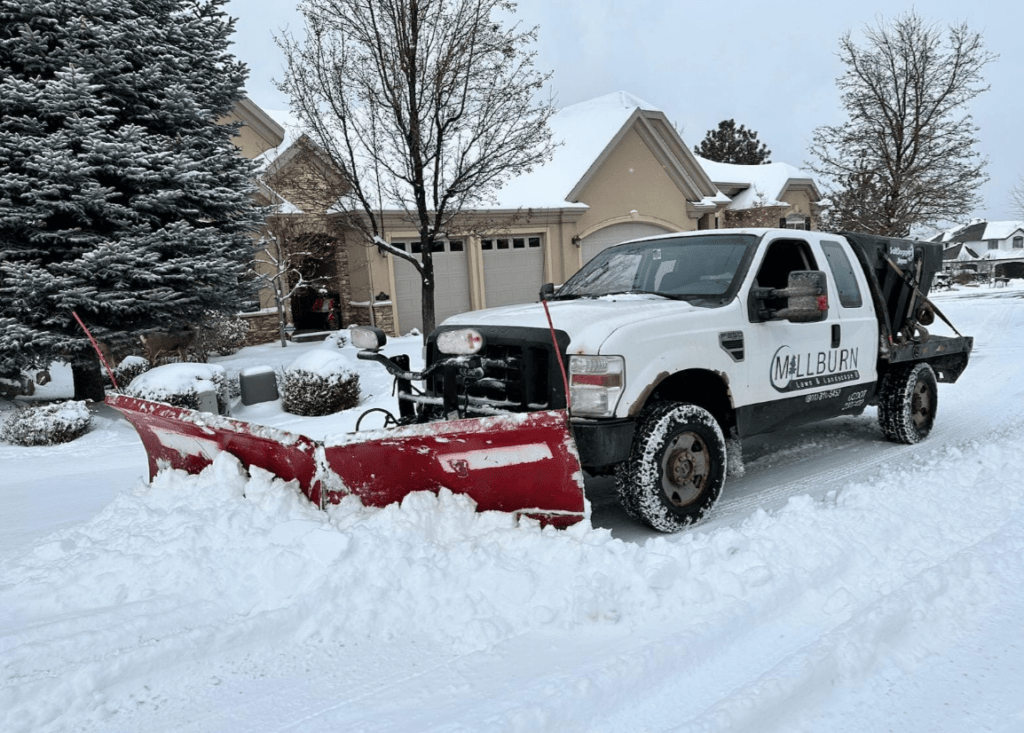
x,y
89,384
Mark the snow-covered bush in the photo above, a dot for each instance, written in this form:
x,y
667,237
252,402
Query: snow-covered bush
x,y
219,334
181,385
320,382
129,368
58,422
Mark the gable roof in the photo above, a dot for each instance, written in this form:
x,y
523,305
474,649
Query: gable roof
x,y
959,252
586,134
973,232
747,184
1002,229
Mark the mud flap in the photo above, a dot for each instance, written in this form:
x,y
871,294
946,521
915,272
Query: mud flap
x,y
526,464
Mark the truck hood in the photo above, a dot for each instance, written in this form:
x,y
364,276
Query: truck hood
x,y
588,321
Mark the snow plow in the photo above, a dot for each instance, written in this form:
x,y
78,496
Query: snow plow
x,y
524,464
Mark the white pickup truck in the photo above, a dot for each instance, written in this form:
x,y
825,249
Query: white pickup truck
x,y
678,344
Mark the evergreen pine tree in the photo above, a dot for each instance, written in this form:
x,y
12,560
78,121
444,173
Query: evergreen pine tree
x,y
729,144
120,196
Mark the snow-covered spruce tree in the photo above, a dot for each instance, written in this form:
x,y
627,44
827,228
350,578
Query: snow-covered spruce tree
x,y
120,196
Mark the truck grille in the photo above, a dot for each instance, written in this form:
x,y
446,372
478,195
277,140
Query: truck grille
x,y
520,371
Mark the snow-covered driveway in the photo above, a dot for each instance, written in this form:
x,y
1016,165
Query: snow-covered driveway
x,y
842,584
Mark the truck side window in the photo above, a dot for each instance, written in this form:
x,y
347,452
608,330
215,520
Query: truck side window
x,y
846,281
783,257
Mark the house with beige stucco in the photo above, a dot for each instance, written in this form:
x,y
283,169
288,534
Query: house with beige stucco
x,y
620,171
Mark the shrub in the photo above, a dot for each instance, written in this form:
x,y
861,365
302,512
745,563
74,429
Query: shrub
x,y
181,384
320,382
58,422
129,368
219,334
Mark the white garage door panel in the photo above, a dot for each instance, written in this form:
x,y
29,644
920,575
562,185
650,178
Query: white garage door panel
x,y
513,276
616,234
451,289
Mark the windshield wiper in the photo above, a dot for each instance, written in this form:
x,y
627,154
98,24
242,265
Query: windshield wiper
x,y
641,292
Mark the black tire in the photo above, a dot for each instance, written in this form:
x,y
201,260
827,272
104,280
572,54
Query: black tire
x,y
907,401
676,467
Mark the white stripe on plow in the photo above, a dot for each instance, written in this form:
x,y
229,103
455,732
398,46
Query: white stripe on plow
x,y
462,463
187,445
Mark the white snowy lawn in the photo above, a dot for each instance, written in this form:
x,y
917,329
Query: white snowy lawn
x,y
843,584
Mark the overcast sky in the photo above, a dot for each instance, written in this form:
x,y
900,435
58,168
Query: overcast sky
x,y
769,66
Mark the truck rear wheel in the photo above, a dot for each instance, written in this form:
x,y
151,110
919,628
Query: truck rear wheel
x,y
676,467
907,400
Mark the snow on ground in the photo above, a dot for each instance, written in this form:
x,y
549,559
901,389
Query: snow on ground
x,y
843,584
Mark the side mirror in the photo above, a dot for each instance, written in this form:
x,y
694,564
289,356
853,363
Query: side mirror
x,y
806,296
368,338
547,290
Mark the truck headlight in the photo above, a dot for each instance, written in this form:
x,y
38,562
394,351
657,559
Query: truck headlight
x,y
595,384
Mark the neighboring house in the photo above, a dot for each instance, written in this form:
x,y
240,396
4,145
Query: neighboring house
x,y
989,247
259,132
621,172
770,195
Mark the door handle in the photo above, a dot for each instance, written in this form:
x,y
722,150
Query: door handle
x,y
836,336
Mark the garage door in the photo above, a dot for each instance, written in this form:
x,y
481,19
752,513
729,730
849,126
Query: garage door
x,y
451,290
513,270
602,239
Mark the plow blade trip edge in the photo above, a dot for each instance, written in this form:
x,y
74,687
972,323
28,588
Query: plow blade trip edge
x,y
524,463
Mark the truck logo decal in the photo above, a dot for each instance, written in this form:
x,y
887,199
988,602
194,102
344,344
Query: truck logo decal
x,y
791,370
903,254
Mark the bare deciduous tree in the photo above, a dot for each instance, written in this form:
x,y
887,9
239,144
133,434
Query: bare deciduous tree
x,y
277,266
427,107
905,155
1017,198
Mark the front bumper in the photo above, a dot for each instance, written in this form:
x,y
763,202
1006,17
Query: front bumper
x,y
602,443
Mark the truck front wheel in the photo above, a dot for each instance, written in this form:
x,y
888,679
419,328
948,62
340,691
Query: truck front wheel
x,y
676,467
907,400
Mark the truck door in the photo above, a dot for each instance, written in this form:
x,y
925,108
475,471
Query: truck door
x,y
796,372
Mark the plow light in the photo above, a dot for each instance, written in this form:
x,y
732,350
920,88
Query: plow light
x,y
463,341
368,338
595,384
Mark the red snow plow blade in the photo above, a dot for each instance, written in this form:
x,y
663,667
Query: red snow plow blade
x,y
522,463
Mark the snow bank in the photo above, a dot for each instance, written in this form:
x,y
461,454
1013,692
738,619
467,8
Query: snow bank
x,y
201,565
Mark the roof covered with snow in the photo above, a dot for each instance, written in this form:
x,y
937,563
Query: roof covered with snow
x,y
1002,229
582,132
759,185
979,230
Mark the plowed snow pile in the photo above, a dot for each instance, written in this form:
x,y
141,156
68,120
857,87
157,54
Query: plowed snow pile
x,y
881,588
196,566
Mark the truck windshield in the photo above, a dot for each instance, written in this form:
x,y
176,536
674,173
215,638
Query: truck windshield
x,y
686,268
